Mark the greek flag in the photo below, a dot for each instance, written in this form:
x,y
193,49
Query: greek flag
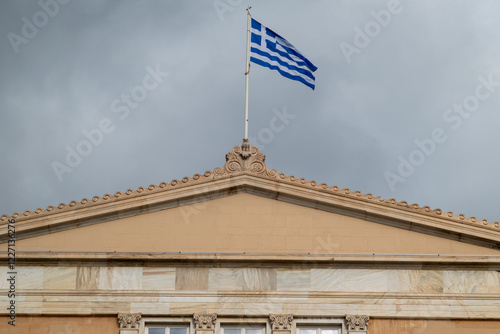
x,y
269,49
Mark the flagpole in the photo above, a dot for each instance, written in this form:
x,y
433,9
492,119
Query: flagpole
x,y
247,71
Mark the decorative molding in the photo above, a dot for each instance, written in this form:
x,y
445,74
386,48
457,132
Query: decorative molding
x,y
205,322
245,148
245,159
357,323
248,159
281,322
129,320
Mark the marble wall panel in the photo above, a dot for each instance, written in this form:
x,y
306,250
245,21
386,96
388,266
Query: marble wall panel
x,y
32,307
261,298
372,280
403,281
293,280
250,309
70,307
424,311
234,308
150,308
225,279
337,309
59,277
492,281
249,279
191,308
259,279
478,312
188,299
120,278
29,278
471,282
87,278
361,280
4,284
328,280
109,307
431,281
335,304
191,278
157,278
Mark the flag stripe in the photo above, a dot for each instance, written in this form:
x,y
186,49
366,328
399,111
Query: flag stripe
x,y
292,50
283,73
285,51
276,65
279,61
273,51
270,50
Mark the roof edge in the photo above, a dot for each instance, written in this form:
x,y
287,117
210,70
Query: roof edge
x,y
241,160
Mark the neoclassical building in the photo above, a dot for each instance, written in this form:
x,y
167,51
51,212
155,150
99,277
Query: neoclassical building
x,y
244,249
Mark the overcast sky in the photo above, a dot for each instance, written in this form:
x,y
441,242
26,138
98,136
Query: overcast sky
x,y
406,103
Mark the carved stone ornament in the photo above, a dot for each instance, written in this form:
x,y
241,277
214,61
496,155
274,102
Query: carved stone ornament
x,y
357,322
129,320
281,321
205,321
245,148
245,158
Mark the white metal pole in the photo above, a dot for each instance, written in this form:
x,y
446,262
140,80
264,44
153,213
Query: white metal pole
x,y
247,71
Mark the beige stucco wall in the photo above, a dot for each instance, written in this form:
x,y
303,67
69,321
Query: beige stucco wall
x,y
405,326
60,325
108,325
246,223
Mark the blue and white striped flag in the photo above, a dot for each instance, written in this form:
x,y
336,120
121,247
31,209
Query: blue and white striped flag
x,y
269,49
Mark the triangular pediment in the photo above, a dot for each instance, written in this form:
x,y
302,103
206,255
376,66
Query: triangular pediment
x,y
247,223
246,207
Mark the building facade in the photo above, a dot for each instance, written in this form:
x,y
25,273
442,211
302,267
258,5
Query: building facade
x,y
244,249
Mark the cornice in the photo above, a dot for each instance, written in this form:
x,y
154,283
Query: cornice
x,y
267,293
471,306
245,171
261,260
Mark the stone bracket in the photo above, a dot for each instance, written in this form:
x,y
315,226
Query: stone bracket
x,y
281,323
129,322
357,324
205,323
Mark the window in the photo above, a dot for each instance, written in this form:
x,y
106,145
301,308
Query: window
x,y
166,329
318,330
251,329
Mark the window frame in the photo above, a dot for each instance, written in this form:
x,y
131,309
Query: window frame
x,y
242,328
324,323
240,322
163,322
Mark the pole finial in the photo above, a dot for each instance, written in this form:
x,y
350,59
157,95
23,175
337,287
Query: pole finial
x,y
245,146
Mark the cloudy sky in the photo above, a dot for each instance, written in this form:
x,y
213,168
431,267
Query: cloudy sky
x,y
406,103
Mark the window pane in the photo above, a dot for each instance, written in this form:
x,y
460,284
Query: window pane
x,y
156,330
329,331
254,331
178,330
232,331
307,331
